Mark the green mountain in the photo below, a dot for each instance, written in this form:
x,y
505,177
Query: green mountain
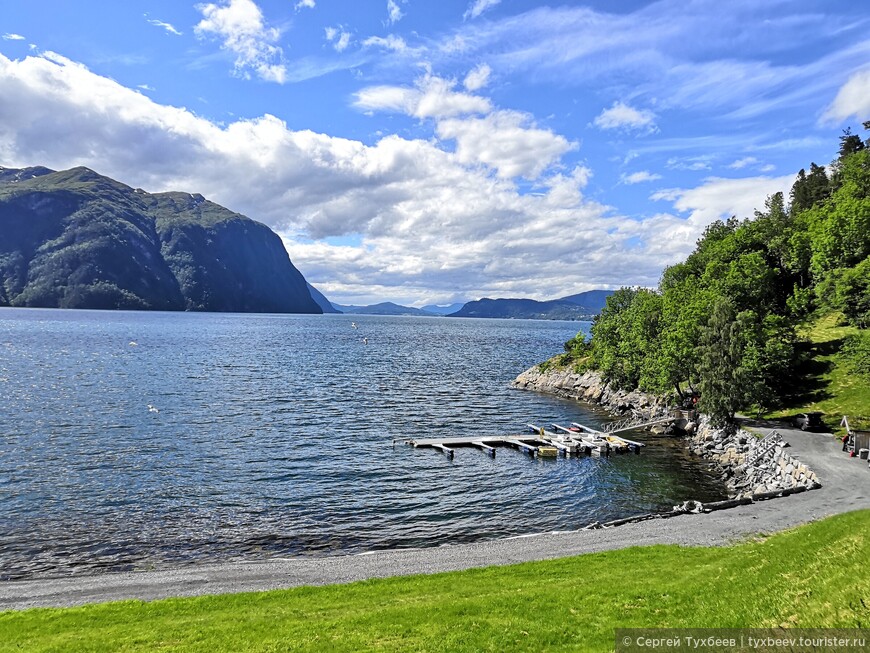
x,y
77,239
592,300
384,308
556,309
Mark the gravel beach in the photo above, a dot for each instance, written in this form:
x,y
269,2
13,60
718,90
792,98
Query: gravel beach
x,y
845,487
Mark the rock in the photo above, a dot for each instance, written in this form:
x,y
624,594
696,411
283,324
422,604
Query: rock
x,y
770,473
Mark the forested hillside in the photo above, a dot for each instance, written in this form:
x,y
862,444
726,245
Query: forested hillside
x,y
77,239
730,321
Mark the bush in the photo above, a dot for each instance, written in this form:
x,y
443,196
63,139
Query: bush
x,y
856,352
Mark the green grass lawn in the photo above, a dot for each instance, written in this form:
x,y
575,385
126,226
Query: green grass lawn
x,y
814,576
827,384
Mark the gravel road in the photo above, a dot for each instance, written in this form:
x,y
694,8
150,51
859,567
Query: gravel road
x,y
845,487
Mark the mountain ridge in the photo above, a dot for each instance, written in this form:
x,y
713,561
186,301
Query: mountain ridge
x,y
78,239
565,308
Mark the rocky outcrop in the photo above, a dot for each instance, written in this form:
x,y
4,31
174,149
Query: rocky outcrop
x,y
752,467
591,387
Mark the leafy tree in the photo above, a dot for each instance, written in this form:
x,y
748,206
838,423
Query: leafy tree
x,y
724,319
856,352
720,354
685,308
848,290
624,337
853,294
840,227
640,345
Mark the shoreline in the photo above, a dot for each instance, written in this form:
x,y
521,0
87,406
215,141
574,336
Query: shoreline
x,y
844,488
751,467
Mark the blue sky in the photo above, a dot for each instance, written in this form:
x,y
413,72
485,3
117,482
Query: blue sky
x,y
426,152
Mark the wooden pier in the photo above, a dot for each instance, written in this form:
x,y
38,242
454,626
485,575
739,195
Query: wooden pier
x,y
541,442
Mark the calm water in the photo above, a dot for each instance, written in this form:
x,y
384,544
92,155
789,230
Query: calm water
x,y
274,438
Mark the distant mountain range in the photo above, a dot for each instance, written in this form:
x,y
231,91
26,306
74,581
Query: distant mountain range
x,y
524,309
582,306
592,300
434,309
77,239
384,308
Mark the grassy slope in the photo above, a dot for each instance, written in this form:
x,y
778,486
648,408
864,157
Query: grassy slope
x,y
827,384
816,575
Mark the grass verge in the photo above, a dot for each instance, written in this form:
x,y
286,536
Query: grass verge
x,y
827,383
813,576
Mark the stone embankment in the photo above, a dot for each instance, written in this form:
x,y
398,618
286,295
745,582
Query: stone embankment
x,y
752,467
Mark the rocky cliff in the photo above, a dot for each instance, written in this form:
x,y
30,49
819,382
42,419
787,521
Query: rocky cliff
x,y
590,387
77,239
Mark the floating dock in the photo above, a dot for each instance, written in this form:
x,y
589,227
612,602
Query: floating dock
x,y
541,442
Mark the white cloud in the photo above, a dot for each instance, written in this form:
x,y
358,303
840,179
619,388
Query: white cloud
x,y
304,4
389,42
719,197
145,87
853,99
477,7
693,163
478,78
170,29
12,37
428,219
339,38
739,164
394,12
456,44
433,97
640,177
506,141
623,117
240,26
718,57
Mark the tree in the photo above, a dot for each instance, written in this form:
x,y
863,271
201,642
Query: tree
x,y
625,337
850,143
810,189
840,227
724,381
685,307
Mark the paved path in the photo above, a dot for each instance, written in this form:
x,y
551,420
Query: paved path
x,y
845,486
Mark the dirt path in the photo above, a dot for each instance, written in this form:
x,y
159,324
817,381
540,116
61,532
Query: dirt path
x,y
845,487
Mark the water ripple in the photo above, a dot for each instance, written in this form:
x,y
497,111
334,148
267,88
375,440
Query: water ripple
x,y
273,436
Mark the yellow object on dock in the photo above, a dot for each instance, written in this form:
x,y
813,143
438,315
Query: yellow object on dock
x,y
548,452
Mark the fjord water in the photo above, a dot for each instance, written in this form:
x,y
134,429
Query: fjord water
x,y
136,440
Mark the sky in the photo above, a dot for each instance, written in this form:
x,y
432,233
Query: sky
x,y
432,152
